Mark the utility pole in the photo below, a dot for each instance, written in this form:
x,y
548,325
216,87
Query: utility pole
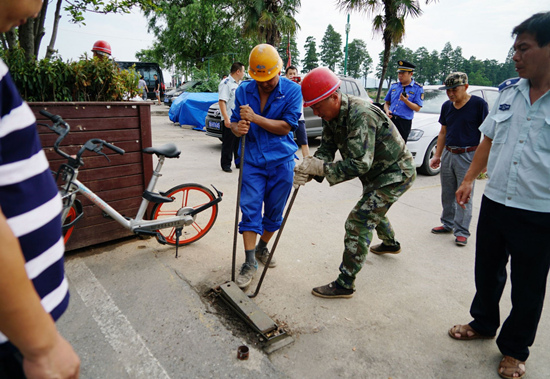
x,y
348,27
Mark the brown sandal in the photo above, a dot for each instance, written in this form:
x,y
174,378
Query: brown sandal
x,y
466,333
508,367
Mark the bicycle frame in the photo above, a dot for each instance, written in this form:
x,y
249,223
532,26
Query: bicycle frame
x,y
138,222
163,216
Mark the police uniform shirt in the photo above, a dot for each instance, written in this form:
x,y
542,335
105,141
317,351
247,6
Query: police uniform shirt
x,y
415,94
226,92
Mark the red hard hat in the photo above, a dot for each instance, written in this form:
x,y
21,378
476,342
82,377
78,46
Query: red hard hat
x,y
319,84
102,47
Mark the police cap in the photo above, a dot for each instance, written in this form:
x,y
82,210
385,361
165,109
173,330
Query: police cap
x,y
405,66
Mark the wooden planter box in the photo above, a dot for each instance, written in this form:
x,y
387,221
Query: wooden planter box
x,y
120,182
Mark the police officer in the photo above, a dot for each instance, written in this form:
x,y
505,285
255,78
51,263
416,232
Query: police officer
x,y
404,98
372,151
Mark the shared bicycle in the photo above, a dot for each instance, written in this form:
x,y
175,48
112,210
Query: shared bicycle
x,y
180,216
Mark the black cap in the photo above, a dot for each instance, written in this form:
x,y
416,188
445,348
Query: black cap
x,y
405,66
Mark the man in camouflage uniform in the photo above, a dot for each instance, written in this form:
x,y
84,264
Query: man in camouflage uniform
x,y
373,151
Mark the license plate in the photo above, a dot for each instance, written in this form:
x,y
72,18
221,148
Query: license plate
x,y
213,124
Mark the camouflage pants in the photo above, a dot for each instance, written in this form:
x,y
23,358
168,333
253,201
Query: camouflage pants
x,y
368,214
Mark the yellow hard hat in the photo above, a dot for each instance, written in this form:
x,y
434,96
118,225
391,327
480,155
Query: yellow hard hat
x,y
264,63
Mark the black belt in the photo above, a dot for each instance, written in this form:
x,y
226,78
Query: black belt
x,y
460,150
399,117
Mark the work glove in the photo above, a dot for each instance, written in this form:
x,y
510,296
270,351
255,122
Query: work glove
x,y
312,166
300,178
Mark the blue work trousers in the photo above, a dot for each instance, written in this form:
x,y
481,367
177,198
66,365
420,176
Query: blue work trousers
x,y
453,169
268,189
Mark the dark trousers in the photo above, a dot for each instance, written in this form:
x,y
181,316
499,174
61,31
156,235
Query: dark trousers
x,y
502,233
11,364
404,126
230,146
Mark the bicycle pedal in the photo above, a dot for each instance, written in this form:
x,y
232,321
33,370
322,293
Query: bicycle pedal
x,y
161,239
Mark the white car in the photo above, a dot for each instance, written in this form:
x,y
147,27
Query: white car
x,y
425,127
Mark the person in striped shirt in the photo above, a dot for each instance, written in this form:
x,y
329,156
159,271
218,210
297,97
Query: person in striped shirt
x,y
33,287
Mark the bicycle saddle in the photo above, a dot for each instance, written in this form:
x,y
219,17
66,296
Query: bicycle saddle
x,y
169,150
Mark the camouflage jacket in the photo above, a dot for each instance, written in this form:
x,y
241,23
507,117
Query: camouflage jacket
x,y
370,146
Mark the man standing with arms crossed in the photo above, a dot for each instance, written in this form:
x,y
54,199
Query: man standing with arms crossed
x,y
457,142
514,219
226,102
403,99
267,109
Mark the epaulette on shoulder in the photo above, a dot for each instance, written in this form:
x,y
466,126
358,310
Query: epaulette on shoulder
x,y
507,83
418,84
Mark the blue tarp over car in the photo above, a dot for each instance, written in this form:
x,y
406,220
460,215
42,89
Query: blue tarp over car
x,y
191,108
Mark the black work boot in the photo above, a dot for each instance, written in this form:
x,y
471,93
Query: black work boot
x,y
262,255
385,249
332,290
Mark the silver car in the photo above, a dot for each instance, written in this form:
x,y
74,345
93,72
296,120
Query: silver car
x,y
314,124
425,127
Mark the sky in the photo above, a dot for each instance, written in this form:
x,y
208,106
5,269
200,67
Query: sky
x,y
482,28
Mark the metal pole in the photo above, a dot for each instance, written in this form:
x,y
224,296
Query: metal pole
x,y
266,266
346,55
237,208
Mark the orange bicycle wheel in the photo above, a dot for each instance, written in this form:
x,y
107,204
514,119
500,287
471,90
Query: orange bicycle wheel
x,y
187,197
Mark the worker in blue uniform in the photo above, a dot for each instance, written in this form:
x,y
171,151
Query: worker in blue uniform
x,y
266,111
404,98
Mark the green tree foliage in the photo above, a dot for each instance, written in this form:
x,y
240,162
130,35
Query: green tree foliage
x,y
445,61
311,60
433,68
357,54
421,55
367,67
397,53
200,33
85,80
29,36
389,20
269,20
331,48
457,60
207,84
294,52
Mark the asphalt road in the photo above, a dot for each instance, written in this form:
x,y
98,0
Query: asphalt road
x,y
138,312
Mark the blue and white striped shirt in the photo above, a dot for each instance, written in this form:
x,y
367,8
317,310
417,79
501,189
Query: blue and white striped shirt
x,y
29,199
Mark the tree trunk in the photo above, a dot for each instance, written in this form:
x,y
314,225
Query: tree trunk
x,y
26,38
39,27
11,39
50,50
387,47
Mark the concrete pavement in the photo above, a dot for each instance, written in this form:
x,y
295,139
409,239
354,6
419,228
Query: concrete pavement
x,y
137,312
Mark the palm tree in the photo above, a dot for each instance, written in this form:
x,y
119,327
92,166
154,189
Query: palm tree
x,y
270,19
389,19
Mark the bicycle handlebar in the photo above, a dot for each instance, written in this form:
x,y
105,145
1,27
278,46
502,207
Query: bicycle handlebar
x,y
116,149
52,117
61,128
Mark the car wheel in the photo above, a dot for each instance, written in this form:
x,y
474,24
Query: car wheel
x,y
425,168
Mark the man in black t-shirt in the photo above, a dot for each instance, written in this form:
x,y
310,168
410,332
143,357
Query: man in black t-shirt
x,y
460,119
